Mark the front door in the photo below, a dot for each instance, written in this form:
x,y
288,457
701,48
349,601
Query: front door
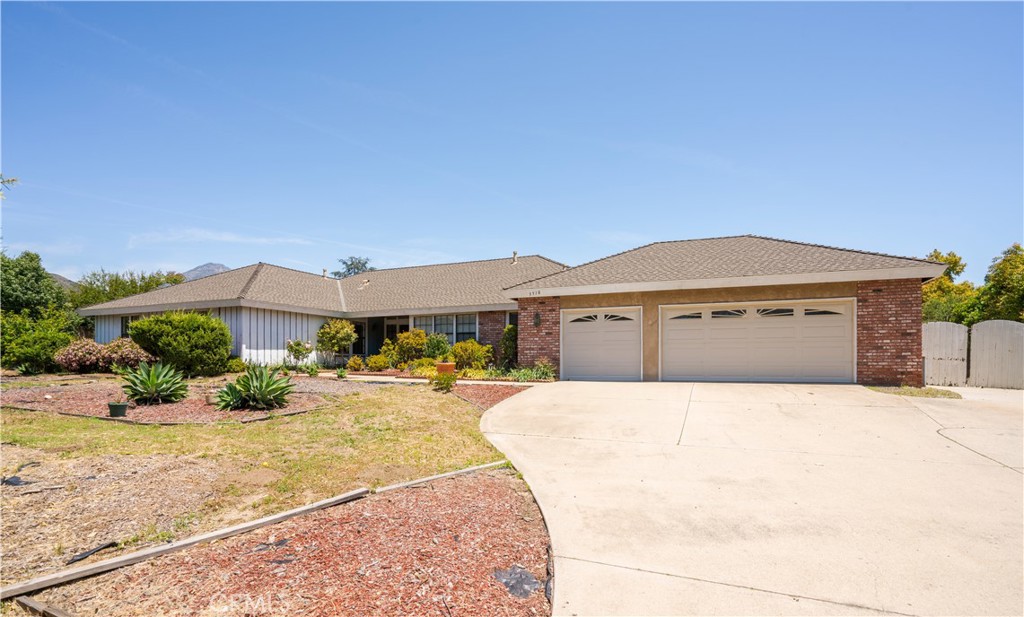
x,y
395,326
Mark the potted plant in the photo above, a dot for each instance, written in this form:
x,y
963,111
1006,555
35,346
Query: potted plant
x,y
446,364
118,408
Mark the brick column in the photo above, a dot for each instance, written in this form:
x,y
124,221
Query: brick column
x,y
889,333
491,325
539,330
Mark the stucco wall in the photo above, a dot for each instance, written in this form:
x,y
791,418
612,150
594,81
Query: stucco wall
x,y
650,301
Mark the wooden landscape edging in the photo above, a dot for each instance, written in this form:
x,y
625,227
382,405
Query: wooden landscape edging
x,y
73,574
49,580
38,608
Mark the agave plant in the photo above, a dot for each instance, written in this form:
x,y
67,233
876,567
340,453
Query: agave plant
x,y
159,383
258,388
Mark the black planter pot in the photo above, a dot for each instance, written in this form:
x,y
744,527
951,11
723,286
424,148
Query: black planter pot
x,y
118,410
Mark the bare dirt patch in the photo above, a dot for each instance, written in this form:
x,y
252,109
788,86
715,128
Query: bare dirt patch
x,y
418,551
90,398
486,396
68,506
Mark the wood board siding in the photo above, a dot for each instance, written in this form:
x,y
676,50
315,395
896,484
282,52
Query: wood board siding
x,y
997,354
263,333
107,328
944,346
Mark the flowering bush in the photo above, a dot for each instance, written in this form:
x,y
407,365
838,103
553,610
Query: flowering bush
x,y
298,350
124,353
81,356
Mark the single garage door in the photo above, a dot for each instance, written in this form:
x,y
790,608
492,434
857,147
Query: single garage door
x,y
601,344
777,341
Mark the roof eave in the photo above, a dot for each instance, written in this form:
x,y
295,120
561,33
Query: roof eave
x,y
96,311
925,272
440,310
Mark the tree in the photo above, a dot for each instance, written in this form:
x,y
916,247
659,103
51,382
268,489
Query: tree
x,y
103,286
946,300
26,286
6,183
353,265
1002,296
335,336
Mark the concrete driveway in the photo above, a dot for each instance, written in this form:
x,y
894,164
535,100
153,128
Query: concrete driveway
x,y
772,499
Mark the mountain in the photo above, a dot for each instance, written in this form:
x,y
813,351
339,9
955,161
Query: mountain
x,y
64,282
206,269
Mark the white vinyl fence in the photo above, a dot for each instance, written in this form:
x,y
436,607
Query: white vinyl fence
x,y
996,350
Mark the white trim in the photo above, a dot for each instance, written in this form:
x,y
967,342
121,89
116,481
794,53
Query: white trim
x,y
924,272
599,309
850,299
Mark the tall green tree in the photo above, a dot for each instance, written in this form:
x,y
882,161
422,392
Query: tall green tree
x,y
946,300
353,265
1002,296
25,285
103,286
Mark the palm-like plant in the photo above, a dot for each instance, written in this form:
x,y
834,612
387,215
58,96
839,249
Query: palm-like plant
x,y
258,388
159,383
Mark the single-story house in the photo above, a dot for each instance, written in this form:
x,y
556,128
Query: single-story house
x,y
741,308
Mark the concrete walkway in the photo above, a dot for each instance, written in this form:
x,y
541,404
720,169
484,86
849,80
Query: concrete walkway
x,y
677,499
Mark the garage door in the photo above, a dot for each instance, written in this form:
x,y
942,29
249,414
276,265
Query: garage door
x,y
601,344
779,341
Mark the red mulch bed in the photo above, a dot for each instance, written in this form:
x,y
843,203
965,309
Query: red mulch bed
x,y
90,399
431,550
485,396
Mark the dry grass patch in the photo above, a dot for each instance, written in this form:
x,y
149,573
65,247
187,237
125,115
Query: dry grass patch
x,y
380,437
918,392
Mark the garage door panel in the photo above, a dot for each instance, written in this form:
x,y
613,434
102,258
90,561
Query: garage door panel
x,y
780,341
601,344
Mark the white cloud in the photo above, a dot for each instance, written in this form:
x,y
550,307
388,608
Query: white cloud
x,y
195,235
46,249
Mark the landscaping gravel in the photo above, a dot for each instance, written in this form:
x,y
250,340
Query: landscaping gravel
x,y
431,550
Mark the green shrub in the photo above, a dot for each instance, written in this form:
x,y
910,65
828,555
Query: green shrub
x,y
509,347
335,336
151,385
258,388
235,365
298,350
123,353
443,382
436,346
410,345
377,363
423,371
389,351
195,343
312,369
81,356
355,363
470,354
472,373
342,373
543,369
29,344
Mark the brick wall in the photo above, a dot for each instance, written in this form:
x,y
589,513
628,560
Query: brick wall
x,y
539,341
889,333
491,324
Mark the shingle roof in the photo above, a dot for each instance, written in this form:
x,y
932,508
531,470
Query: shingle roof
x,y
471,283
261,282
718,258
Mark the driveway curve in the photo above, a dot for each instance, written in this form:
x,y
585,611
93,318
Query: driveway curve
x,y
698,499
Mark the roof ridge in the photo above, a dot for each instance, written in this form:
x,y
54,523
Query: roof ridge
x,y
452,263
839,248
248,284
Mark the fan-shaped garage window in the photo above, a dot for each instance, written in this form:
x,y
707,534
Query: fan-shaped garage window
x,y
809,312
696,315
728,313
774,312
610,317
584,318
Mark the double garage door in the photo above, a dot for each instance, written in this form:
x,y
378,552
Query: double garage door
x,y
777,341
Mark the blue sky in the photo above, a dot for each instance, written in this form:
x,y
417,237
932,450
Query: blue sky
x,y
164,136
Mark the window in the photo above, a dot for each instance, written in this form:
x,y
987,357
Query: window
x,y
611,317
774,312
445,324
512,319
465,327
696,315
814,312
584,318
424,323
728,313
125,322
359,347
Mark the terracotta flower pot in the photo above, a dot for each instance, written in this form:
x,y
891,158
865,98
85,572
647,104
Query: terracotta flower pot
x,y
446,367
